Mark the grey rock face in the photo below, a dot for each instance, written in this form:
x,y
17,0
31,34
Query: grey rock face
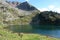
x,y
26,6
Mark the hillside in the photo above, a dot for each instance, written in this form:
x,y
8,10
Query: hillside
x,y
7,13
11,15
47,17
50,17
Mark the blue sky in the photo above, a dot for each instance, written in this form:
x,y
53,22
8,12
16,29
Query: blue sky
x,y
44,5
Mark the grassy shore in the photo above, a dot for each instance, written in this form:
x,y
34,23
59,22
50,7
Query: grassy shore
x,y
8,35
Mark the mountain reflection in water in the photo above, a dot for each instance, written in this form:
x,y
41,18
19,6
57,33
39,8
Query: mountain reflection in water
x,y
50,30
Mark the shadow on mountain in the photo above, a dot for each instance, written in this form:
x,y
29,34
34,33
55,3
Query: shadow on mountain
x,y
26,6
46,20
49,17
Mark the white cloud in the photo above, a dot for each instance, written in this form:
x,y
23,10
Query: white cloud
x,y
43,9
51,7
57,10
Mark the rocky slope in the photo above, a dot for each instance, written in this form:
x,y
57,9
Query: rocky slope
x,y
26,6
47,17
15,15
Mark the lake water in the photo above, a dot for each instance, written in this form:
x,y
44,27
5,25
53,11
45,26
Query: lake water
x,y
52,33
50,30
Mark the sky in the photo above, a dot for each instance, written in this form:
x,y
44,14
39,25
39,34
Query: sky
x,y
44,5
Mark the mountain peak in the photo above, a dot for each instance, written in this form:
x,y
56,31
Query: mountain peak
x,y
26,6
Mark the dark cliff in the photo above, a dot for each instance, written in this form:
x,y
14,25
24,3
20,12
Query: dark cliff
x,y
26,6
47,17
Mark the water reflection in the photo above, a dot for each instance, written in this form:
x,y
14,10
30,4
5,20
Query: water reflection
x,y
19,28
50,30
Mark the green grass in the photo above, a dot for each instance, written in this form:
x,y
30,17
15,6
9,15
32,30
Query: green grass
x,y
5,34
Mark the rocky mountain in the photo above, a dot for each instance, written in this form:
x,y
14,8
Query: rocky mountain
x,y
47,18
23,6
26,6
15,15
13,3
50,17
24,13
